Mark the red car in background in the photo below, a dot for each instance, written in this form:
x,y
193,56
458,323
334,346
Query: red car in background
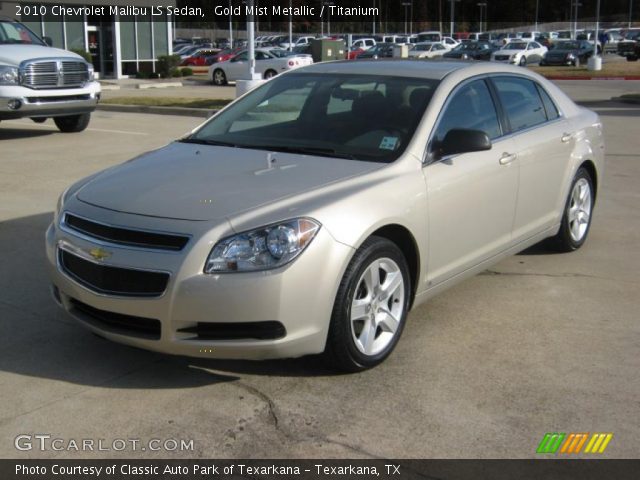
x,y
354,52
199,59
224,55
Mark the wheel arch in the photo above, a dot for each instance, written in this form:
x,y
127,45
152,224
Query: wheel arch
x,y
406,242
590,167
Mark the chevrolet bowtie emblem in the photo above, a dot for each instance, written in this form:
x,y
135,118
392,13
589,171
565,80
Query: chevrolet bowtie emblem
x,y
99,253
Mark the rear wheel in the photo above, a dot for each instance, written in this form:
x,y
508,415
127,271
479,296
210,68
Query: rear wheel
x,y
578,210
270,74
39,119
370,308
72,123
219,77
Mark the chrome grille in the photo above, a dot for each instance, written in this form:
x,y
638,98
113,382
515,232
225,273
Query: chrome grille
x,y
54,73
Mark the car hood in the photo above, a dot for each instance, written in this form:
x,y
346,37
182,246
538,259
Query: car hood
x,y
14,54
198,182
507,52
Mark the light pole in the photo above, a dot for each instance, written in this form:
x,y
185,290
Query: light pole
x,y
290,28
452,15
630,12
373,22
328,4
481,5
537,5
576,4
251,43
230,25
406,5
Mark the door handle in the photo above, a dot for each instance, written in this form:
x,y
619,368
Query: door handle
x,y
507,158
566,137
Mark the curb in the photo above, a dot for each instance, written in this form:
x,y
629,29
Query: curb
x,y
181,111
145,86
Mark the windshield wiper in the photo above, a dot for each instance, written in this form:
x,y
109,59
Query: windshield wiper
x,y
318,151
203,141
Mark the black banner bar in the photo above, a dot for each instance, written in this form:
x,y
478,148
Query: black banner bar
x,y
210,469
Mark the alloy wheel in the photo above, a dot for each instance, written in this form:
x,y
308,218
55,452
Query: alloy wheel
x,y
579,209
378,306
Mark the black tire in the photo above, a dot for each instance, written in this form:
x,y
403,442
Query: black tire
x,y
341,352
72,123
563,241
219,77
523,61
270,74
39,119
632,59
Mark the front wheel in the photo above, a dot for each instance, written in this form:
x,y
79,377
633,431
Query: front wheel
x,y
370,308
219,77
72,123
578,210
523,61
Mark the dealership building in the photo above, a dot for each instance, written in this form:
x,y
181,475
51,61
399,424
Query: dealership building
x,y
121,40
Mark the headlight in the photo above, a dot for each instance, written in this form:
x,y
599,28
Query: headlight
x,y
262,249
571,56
8,75
92,74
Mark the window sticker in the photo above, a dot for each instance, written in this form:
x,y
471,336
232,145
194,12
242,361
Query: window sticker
x,y
388,143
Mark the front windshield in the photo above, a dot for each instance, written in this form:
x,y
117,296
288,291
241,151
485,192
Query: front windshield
x,y
360,117
16,33
516,46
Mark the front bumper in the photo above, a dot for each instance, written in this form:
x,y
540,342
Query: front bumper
x,y
300,295
48,103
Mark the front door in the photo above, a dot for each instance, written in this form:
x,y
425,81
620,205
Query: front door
x,y
471,197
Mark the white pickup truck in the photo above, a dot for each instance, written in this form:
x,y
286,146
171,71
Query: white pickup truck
x,y
40,82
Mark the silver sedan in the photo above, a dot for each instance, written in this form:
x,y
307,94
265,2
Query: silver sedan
x,y
312,213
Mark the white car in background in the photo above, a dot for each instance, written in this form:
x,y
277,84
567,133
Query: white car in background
x,y
428,50
269,62
449,43
519,53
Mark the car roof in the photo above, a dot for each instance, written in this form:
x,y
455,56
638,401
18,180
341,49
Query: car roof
x,y
435,70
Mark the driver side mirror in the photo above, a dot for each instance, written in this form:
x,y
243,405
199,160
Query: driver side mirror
x,y
48,41
460,140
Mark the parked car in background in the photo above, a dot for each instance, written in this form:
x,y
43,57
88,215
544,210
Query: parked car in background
x,y
568,52
364,43
627,46
343,195
431,36
40,82
428,50
223,55
449,43
381,50
297,41
268,64
518,52
199,58
353,52
472,51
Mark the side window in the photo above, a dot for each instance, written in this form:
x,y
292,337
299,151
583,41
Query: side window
x,y
521,102
471,107
549,106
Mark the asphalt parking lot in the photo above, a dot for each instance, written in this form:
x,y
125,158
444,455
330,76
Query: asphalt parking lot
x,y
540,343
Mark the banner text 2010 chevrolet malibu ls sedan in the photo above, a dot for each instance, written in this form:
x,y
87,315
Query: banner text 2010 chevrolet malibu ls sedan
x,y
311,214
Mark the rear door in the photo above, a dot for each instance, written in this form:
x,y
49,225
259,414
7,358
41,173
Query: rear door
x,y
543,143
471,197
